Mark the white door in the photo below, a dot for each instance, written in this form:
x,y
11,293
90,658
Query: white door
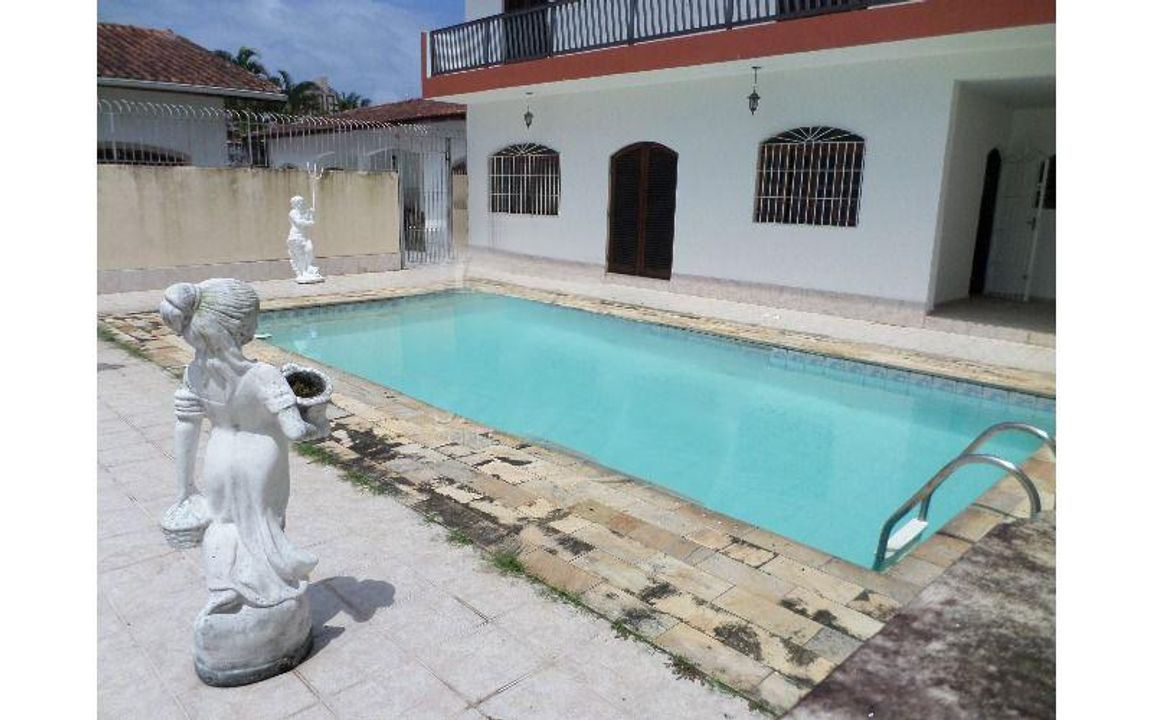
x,y
1022,260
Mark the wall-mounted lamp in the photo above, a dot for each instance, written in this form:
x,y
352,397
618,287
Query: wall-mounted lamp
x,y
754,97
528,112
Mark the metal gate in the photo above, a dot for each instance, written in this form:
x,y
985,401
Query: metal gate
x,y
425,194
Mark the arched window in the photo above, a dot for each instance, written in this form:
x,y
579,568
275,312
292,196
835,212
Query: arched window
x,y
810,176
524,179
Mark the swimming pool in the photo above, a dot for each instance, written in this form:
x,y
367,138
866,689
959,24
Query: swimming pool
x,y
817,449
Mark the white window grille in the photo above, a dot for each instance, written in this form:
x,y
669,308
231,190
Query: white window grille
x,y
810,176
524,179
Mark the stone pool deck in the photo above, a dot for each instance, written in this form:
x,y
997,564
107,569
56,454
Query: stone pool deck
x,y
767,617
407,624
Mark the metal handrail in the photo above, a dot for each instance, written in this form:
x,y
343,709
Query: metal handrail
x,y
923,496
571,26
1006,426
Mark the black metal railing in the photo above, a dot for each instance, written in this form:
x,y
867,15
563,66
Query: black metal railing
x,y
569,26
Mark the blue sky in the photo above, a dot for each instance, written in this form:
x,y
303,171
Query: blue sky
x,y
367,46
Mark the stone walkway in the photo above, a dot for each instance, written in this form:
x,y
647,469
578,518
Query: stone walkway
x,y
407,625
980,642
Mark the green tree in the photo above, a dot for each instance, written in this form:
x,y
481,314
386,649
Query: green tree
x,y
351,101
245,57
303,97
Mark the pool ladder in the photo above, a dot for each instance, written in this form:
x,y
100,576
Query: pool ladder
x,y
892,544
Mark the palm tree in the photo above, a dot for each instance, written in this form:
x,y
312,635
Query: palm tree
x,y
245,57
303,97
351,101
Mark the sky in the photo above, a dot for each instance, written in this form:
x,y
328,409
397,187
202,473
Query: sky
x,y
371,47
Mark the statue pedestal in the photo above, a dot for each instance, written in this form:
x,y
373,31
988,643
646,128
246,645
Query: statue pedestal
x,y
252,644
309,279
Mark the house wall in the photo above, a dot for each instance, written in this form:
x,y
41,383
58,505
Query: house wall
x,y
158,225
979,124
202,137
902,108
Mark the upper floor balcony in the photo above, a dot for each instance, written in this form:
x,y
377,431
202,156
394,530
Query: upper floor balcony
x,y
572,26
601,42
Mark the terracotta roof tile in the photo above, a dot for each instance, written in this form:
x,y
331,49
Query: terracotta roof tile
x,y
135,53
406,111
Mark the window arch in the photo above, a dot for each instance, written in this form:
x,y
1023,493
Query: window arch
x,y
524,179
810,176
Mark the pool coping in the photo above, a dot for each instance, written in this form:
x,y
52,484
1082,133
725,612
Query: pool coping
x,y
767,616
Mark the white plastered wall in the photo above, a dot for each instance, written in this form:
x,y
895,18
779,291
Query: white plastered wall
x,y
902,108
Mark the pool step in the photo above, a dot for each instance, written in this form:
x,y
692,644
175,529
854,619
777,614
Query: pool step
x,y
905,536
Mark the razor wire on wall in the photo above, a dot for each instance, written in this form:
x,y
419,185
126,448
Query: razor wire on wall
x,y
422,155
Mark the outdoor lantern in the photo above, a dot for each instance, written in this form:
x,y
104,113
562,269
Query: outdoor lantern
x,y
754,97
528,113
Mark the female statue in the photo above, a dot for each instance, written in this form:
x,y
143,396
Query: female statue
x,y
256,623
300,250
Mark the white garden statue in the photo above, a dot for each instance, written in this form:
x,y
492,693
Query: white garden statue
x,y
300,250
256,622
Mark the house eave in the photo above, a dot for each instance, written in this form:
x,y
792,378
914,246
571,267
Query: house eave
x,y
134,84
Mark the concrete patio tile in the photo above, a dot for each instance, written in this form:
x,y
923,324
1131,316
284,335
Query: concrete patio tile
x,y
349,656
552,627
478,665
124,549
439,707
131,449
128,688
552,694
313,712
273,699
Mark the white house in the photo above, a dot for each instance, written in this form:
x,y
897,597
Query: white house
x,y
161,98
837,149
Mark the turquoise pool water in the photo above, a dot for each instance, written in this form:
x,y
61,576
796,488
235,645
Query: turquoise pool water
x,y
818,450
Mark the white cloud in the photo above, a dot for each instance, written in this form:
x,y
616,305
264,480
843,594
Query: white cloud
x,y
367,46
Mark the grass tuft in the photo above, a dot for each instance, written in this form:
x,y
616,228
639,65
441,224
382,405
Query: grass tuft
x,y
506,562
457,537
107,335
317,454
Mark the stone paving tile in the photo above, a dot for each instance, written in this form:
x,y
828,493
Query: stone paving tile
x,y
768,615
747,578
833,645
973,523
684,576
556,572
872,581
827,585
780,693
831,614
713,657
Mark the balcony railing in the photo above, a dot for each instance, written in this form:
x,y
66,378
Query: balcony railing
x,y
571,26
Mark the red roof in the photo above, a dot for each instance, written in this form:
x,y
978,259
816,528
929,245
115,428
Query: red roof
x,y
413,110
126,52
